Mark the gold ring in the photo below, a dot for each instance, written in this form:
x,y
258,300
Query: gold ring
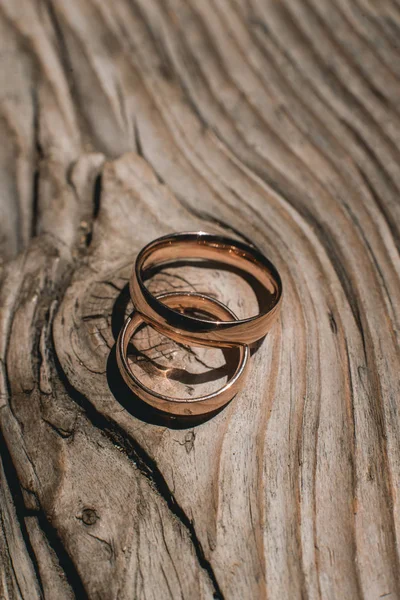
x,y
205,246
173,406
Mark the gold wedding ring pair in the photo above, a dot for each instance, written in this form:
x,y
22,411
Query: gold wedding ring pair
x,y
167,313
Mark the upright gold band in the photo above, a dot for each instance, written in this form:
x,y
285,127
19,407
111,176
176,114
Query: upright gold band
x,y
173,406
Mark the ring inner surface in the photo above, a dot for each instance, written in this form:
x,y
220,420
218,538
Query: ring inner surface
x,y
234,357
226,254
164,253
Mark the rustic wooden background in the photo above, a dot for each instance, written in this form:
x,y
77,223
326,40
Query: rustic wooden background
x,y
277,120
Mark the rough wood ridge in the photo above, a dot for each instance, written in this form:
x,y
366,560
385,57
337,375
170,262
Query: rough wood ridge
x,y
275,120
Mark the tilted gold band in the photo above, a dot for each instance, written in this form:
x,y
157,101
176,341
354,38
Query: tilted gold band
x,y
205,246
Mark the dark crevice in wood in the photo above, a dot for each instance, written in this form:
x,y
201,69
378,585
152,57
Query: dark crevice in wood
x,y
35,202
147,466
97,195
58,430
20,510
38,158
141,153
113,285
138,140
97,188
64,560
94,316
332,323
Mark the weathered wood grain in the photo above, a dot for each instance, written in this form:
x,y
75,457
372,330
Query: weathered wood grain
x,y
275,120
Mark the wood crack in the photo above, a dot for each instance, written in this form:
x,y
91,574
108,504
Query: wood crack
x,y
21,512
147,466
65,561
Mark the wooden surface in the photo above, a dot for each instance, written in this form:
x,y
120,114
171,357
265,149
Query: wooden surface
x,y
277,120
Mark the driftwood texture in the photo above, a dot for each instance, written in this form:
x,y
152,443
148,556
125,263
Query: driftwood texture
x,y
275,120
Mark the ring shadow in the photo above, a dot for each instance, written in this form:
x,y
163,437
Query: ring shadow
x,y
129,400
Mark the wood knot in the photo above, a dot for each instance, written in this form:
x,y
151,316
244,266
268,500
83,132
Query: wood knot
x,y
89,516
